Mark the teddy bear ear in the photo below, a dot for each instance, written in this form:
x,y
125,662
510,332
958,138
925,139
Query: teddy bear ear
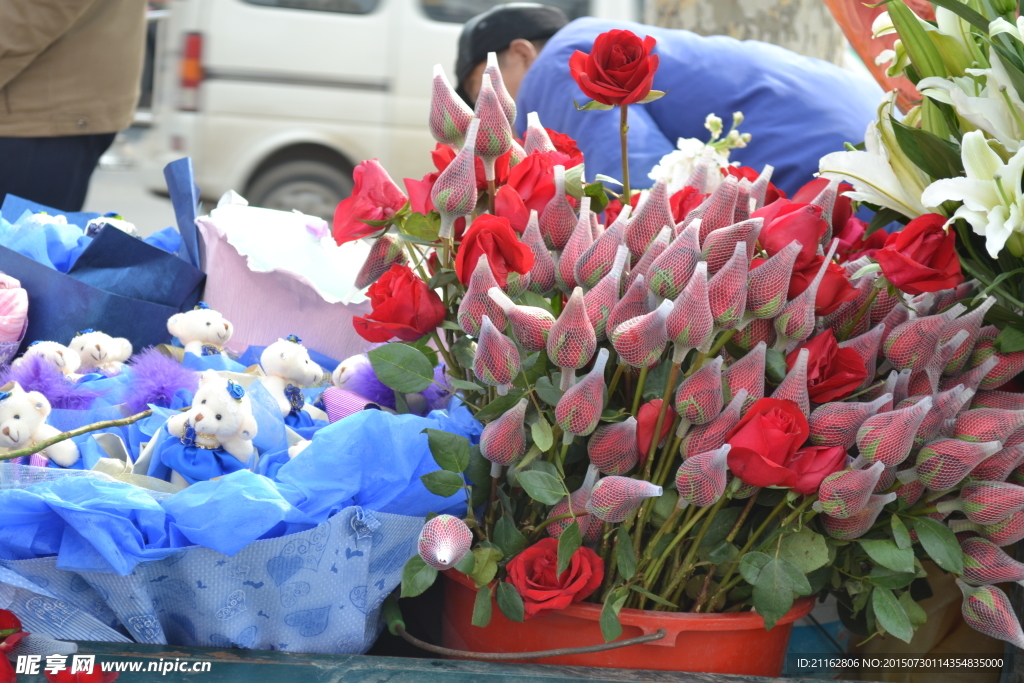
x,y
248,428
174,324
126,347
208,376
39,402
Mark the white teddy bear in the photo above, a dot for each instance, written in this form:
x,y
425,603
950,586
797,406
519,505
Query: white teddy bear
x,y
59,356
220,417
288,368
23,423
203,331
99,352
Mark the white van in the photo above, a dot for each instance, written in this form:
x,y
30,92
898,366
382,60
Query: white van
x,y
280,99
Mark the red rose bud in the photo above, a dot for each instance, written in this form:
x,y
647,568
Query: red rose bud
x,y
590,526
385,252
987,424
542,275
1008,366
998,399
494,237
601,300
761,189
691,325
495,135
727,290
454,191
859,523
684,201
971,379
921,257
701,479
537,139
558,219
619,69
834,290
497,359
718,210
826,200
402,307
1000,466
647,419
748,374
530,324
832,373
836,424
911,345
613,498
444,541
597,260
656,249
503,441
785,222
508,105
710,436
613,448
572,339
987,609
580,240
896,316
796,320
768,283
986,563
718,247
794,385
1004,533
579,409
652,214
971,323
449,114
477,303
641,341
698,178
844,494
764,442
669,273
944,354
699,397
943,464
375,197
866,346
888,437
945,406
812,464
753,333
632,304
989,502
742,211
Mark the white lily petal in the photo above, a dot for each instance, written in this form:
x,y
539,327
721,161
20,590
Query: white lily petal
x,y
870,173
979,160
977,219
997,231
884,57
1001,25
882,25
977,195
990,115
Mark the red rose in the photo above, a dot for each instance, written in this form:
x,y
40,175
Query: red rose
x,y
646,419
509,205
833,290
533,573
614,208
403,307
566,153
832,373
921,257
750,174
785,221
843,208
813,463
852,241
619,69
494,236
375,197
533,179
684,201
765,440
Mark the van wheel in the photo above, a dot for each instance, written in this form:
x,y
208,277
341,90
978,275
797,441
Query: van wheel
x,y
312,187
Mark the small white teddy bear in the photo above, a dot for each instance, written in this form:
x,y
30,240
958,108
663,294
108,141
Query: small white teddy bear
x,y
203,331
59,356
23,423
220,418
288,368
99,352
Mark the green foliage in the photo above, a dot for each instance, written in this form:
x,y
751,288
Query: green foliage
x,y
486,560
805,550
891,615
508,537
417,576
541,432
610,626
499,406
889,555
443,483
569,542
937,157
510,602
401,367
482,607
450,451
541,486
625,557
939,541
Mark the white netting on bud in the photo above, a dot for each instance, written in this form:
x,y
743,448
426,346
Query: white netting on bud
x,y
971,323
530,324
597,260
836,424
572,340
944,352
613,498
641,341
699,398
449,115
796,319
727,290
444,541
557,220
943,464
718,210
945,406
632,304
754,332
768,284
671,270
653,214
454,191
867,346
987,424
988,610
759,188
841,495
503,441
826,199
742,212
888,437
971,379
844,319
495,136
508,105
497,359
580,240
542,275
718,247
477,303
999,466
857,524
1004,533
910,492
710,436
1007,400
656,249
986,563
911,345
748,374
887,309
1008,366
613,448
701,479
691,324
537,139
901,392
579,409
794,385
385,252
886,480
990,502
601,300
590,526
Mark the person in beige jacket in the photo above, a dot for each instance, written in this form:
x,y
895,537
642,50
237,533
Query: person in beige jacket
x,y
69,80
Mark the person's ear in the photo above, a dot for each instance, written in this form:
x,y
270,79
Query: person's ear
x,y
523,51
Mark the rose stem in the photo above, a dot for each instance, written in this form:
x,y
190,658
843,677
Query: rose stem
x,y
651,575
668,454
638,394
491,191
623,129
452,365
722,340
615,380
652,450
728,539
551,520
64,436
684,571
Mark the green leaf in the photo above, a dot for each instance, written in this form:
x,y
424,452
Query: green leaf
x,y
915,613
624,555
610,626
882,218
479,473
805,549
900,533
1010,340
574,181
401,405
937,157
443,483
464,385
922,51
450,451
887,578
401,367
568,543
775,366
508,537
376,224
417,576
652,96
773,592
890,614
467,564
499,406
542,487
464,350
888,554
530,361
548,391
966,13
482,607
592,104
536,300
939,541
509,601
721,524
799,582
421,226
541,432
486,565
723,552
598,197
439,280
653,598
751,565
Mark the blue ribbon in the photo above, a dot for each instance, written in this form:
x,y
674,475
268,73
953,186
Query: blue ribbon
x,y
197,464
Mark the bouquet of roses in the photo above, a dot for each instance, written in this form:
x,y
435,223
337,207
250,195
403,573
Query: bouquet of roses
x,y
715,399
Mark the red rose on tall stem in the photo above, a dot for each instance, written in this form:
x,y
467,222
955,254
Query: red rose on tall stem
x,y
375,197
767,437
832,373
921,257
533,572
619,69
403,307
494,236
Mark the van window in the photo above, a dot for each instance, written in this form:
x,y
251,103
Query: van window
x,y
461,11
342,6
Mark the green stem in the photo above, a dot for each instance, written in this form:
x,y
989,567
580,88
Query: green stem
x,y
615,379
448,358
492,189
64,436
638,393
861,312
623,129
724,585
687,568
666,399
722,340
551,520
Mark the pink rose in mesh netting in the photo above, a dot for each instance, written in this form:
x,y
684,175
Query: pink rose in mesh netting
x,y
557,220
858,524
497,359
613,447
477,303
691,324
652,214
986,563
385,252
613,498
602,299
748,374
495,135
836,424
449,114
768,282
542,275
888,437
701,479
794,385
632,304
597,260
719,209
503,442
987,424
711,435
727,290
944,464
699,397
999,466
718,247
579,409
843,494
672,270
444,541
530,324
987,609
641,341
579,241
572,339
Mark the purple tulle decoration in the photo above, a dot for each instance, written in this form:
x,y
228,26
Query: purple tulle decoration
x,y
35,374
154,379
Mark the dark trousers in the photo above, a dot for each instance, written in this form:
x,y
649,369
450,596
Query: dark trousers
x,y
51,171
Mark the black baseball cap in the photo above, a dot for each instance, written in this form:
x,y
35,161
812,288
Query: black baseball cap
x,y
495,29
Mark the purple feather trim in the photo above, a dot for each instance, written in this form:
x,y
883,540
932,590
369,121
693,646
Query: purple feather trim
x,y
154,378
36,374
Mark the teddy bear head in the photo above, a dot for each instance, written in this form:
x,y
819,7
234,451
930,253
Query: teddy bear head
x,y
221,409
289,359
57,355
21,414
203,324
96,348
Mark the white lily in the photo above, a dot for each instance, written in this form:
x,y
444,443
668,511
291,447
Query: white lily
x,y
897,59
1001,25
991,192
881,174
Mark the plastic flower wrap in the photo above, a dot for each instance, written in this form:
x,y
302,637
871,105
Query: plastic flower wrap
x,y
497,359
449,115
613,448
454,192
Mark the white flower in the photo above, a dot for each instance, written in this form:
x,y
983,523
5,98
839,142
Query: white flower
x,y
676,167
991,192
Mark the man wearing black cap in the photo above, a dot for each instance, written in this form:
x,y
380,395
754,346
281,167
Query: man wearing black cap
x,y
797,108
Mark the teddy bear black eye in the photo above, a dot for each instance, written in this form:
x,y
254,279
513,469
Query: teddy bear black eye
x,y
207,324
203,402
218,417
17,417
